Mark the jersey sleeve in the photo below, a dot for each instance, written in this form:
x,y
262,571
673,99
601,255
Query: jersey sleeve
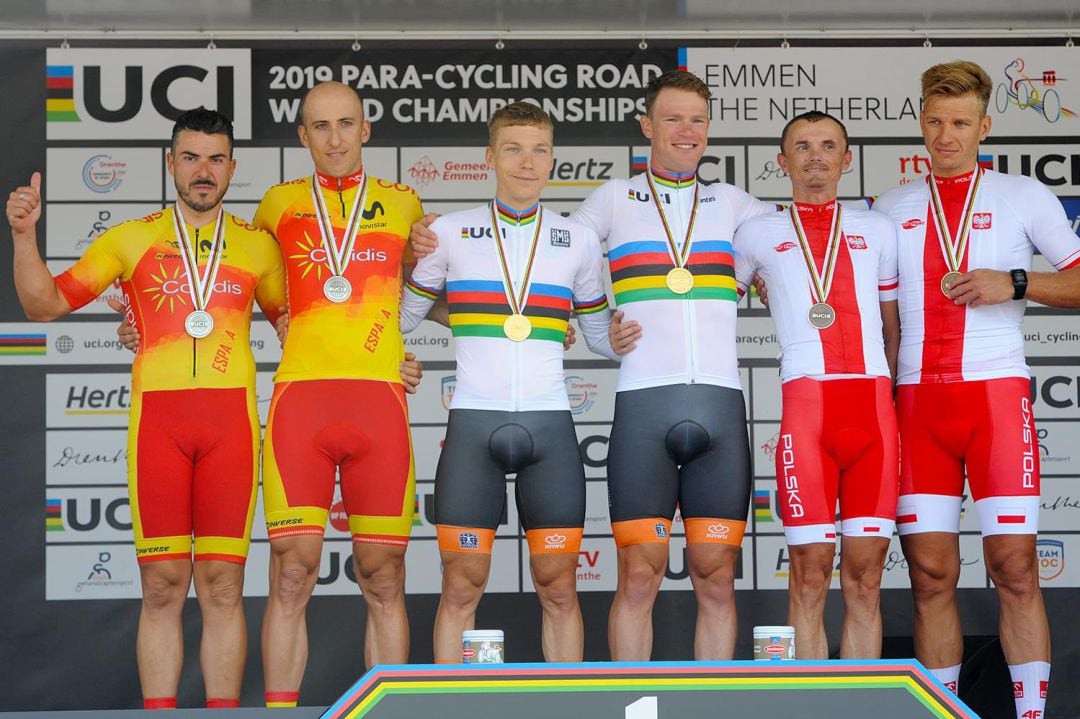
x,y
746,263
596,211
268,213
745,206
427,280
270,291
1048,226
99,267
590,298
888,272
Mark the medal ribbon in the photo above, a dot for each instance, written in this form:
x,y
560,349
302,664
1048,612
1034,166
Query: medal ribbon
x,y
954,251
677,256
201,288
821,281
338,260
517,304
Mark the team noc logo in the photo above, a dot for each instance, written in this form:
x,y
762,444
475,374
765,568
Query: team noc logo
x,y
448,385
103,174
137,94
1051,554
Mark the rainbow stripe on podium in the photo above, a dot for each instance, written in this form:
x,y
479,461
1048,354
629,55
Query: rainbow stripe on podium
x,y
885,689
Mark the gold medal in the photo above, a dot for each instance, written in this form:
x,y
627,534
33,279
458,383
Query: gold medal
x,y
822,315
948,281
517,327
680,280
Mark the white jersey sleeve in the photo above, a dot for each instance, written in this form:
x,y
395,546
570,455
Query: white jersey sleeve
x,y
590,299
426,282
1044,221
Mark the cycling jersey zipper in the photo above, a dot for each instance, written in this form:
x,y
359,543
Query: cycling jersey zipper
x,y
194,341
341,198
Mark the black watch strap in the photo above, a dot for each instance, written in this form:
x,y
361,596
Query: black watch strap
x,y
1019,283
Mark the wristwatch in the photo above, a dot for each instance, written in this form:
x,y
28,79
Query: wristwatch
x,y
1020,283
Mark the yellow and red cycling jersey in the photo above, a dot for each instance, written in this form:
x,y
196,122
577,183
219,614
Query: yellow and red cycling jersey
x,y
359,338
145,255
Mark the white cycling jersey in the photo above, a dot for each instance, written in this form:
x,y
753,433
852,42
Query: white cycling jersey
x,y
686,338
565,275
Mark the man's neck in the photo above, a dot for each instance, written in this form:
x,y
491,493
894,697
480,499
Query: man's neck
x,y
198,219
946,174
814,197
516,206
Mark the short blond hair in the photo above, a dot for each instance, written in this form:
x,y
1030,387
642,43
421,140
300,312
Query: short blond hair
x,y
518,113
953,79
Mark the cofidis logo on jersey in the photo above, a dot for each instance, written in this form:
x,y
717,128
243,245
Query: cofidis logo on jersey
x,y
137,94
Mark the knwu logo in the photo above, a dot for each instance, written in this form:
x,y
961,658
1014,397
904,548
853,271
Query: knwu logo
x,y
137,94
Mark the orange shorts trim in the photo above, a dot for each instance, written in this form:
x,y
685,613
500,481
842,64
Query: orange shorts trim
x,y
714,530
470,540
561,540
641,531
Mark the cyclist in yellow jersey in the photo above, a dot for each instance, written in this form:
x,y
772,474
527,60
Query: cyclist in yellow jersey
x,y
339,403
188,274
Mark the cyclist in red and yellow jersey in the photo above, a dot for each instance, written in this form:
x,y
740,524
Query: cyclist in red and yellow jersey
x,y
339,402
189,274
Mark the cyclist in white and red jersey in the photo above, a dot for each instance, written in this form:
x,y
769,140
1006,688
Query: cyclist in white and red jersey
x,y
966,240
831,273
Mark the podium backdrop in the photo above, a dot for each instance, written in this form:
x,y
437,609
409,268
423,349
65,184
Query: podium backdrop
x,y
95,120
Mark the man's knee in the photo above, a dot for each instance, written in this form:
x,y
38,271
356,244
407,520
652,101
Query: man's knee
x,y
293,573
164,587
220,587
1014,570
556,587
641,570
380,572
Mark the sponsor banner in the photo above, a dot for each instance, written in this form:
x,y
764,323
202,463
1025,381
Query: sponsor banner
x,y
1072,211
764,393
1056,442
93,571
462,173
1054,551
430,342
768,181
137,93
257,170
774,561
81,514
1056,166
597,514
1055,391
97,457
1059,503
597,568
593,446
765,436
104,174
445,96
755,337
757,90
720,163
591,394
765,508
1048,336
97,343
72,227
381,162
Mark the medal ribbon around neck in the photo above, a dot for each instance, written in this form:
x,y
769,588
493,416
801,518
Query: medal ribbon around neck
x,y
201,288
678,257
338,260
821,281
517,303
954,251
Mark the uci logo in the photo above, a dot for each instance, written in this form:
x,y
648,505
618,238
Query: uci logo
x,y
137,94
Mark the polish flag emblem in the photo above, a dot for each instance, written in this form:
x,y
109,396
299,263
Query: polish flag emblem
x,y
981,221
856,242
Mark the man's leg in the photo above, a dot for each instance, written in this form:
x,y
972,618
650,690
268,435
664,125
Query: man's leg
x,y
220,588
1025,634
464,579
712,571
294,569
380,572
934,568
160,641
630,629
809,578
862,560
555,579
